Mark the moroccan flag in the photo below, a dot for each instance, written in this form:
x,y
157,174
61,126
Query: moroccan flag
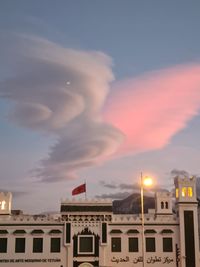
x,y
78,190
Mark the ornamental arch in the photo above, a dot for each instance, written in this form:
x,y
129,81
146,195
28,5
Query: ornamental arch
x,y
85,264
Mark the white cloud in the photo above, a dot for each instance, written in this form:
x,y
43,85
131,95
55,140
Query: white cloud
x,y
60,91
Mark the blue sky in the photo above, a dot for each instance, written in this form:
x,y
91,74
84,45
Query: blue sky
x,y
139,38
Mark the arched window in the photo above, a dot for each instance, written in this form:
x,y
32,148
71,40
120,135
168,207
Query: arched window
x,y
184,192
177,191
166,205
190,192
162,205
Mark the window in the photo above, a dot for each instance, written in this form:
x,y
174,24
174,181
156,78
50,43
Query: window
x,y
86,244
162,205
37,245
20,245
2,205
177,192
55,244
133,244
150,244
104,232
3,245
190,192
68,233
166,205
167,244
184,192
187,192
116,244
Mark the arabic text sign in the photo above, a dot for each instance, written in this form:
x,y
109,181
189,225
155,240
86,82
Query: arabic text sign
x,y
150,260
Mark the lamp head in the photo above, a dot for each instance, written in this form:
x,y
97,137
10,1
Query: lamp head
x,y
147,181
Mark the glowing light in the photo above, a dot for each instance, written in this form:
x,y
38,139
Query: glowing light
x,y
190,192
184,192
147,181
68,83
177,192
3,205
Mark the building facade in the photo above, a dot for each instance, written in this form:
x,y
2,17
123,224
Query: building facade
x,y
87,233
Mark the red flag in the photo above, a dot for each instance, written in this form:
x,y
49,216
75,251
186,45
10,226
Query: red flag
x,y
78,190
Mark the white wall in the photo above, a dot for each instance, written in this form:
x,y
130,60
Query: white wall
x,y
47,258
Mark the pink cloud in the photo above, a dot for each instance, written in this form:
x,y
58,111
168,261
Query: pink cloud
x,y
151,109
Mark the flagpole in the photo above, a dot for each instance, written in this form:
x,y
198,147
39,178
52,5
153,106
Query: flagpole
x,y
85,191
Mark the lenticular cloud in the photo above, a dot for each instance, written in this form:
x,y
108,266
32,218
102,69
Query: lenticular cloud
x,y
150,109
52,85
64,93
60,92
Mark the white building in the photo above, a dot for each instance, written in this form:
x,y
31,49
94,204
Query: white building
x,y
88,233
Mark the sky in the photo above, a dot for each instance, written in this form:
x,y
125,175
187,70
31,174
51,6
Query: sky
x,y
97,91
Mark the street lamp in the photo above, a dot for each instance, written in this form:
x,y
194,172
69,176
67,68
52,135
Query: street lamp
x,y
144,181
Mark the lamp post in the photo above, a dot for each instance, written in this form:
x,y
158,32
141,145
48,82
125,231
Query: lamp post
x,y
147,181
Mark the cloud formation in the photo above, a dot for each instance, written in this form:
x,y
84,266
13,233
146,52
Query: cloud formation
x,y
54,85
108,185
181,173
151,109
122,186
85,143
64,93
117,195
59,91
